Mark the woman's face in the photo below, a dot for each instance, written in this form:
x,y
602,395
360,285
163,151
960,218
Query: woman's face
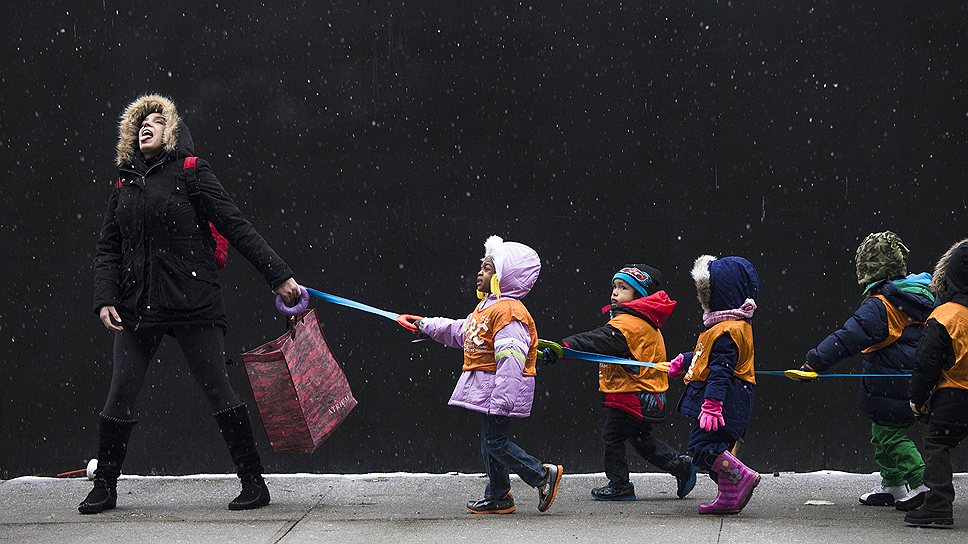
x,y
484,276
150,133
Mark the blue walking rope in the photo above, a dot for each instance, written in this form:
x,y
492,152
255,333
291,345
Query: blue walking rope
x,y
352,304
568,353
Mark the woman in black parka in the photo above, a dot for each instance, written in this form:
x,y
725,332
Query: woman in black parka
x,y
155,275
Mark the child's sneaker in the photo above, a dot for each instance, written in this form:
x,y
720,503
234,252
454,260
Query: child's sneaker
x,y
928,517
549,490
884,496
614,492
492,506
913,500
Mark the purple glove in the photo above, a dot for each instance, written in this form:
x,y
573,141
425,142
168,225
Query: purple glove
x,y
711,416
676,369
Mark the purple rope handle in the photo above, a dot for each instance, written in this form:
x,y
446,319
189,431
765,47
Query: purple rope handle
x,y
300,306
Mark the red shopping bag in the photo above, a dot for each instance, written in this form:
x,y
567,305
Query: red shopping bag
x,y
299,387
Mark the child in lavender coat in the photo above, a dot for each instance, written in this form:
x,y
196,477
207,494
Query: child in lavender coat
x,y
500,341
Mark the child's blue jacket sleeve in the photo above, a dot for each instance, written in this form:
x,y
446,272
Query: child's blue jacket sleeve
x,y
862,330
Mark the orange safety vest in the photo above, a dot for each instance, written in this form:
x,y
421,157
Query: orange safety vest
x,y
954,318
742,334
482,325
897,321
646,344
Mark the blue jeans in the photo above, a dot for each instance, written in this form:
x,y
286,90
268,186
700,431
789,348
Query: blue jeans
x,y
501,456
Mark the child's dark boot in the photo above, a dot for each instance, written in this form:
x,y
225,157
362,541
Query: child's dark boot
x,y
685,473
615,492
492,506
928,517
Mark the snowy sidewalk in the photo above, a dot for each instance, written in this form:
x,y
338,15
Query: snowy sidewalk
x,y
403,508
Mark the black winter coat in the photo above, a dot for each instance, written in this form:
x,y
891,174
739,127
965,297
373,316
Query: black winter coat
x,y
155,260
948,406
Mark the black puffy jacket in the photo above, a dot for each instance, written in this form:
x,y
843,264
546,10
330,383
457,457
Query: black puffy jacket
x,y
154,259
949,406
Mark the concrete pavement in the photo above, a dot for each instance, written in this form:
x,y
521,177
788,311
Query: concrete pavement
x,y
402,508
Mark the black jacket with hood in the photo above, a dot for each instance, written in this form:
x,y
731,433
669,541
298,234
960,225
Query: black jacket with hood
x,y
949,406
155,261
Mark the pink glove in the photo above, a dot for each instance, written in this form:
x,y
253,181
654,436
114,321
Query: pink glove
x,y
711,416
676,369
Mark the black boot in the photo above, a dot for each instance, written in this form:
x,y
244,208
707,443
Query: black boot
x,y
237,432
113,437
928,517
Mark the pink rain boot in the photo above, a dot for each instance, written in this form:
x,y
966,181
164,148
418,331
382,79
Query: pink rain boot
x,y
736,484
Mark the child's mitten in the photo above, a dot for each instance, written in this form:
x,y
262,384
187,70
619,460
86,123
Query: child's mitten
x,y
677,367
711,416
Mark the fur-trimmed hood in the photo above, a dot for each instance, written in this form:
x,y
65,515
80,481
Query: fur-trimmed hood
x,y
950,278
725,283
131,120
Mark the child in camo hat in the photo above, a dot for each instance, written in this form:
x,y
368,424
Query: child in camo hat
x,y
886,329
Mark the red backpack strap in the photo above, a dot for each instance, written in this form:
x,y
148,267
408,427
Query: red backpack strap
x,y
194,195
191,181
188,168
219,242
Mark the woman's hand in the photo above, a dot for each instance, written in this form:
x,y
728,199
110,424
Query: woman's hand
x,y
288,290
109,316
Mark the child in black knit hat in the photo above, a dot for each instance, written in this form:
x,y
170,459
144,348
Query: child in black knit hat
x,y
634,396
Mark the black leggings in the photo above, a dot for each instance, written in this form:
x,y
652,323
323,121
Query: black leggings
x,y
202,347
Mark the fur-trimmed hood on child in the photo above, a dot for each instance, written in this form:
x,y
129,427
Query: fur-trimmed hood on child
x,y
950,278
